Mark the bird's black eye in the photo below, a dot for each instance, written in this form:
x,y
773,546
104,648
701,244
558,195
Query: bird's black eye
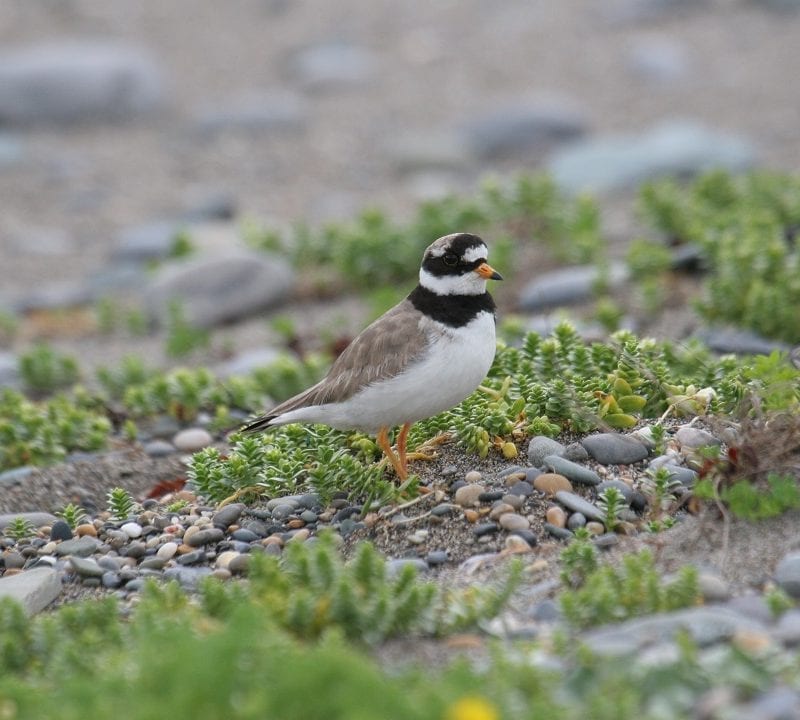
x,y
450,259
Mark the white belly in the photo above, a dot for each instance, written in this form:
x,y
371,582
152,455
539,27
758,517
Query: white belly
x,y
455,365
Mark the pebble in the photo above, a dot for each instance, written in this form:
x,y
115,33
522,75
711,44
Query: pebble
x,y
576,520
574,472
557,532
626,490
595,528
522,128
192,440
467,496
694,438
556,516
86,529
13,561
61,82
33,589
80,547
672,148
167,550
551,483
437,557
787,574
488,528
575,452
712,587
158,448
567,286
513,522
217,287
473,477
521,489
86,567
15,476
614,448
204,537
132,529
577,504
60,530
540,447
515,543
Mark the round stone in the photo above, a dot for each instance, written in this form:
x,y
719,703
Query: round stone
x,y
473,477
556,516
86,529
167,550
60,530
540,447
500,509
551,483
132,529
787,574
576,520
467,496
436,557
224,559
192,440
595,528
513,523
516,544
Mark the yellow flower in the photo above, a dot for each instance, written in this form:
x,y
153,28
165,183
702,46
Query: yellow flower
x,y
472,708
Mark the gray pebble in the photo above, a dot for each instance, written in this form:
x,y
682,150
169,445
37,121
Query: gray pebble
x,y
577,504
444,509
15,476
787,629
60,530
152,563
191,557
513,522
576,520
528,536
540,447
86,567
228,515
111,580
557,532
787,574
205,537
614,448
522,489
693,438
158,448
487,528
80,547
436,557
624,488
244,535
572,471
575,452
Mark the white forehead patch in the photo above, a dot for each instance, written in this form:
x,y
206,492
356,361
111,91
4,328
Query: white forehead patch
x,y
476,253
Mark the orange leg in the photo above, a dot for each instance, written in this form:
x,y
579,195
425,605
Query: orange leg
x,y
382,439
402,444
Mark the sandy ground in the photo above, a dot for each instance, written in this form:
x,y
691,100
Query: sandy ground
x,y
434,66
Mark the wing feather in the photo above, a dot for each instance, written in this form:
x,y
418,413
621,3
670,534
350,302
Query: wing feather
x,y
383,349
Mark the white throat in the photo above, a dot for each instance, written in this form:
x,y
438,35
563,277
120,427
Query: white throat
x,y
468,284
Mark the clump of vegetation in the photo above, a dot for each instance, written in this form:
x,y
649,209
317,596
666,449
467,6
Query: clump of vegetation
x,y
603,593
72,514
756,476
746,227
183,338
44,433
374,250
310,590
121,504
44,370
19,528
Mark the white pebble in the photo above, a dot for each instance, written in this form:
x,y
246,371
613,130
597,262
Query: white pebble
x,y
192,439
167,550
132,529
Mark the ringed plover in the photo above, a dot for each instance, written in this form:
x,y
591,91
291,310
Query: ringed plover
x,y
422,357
